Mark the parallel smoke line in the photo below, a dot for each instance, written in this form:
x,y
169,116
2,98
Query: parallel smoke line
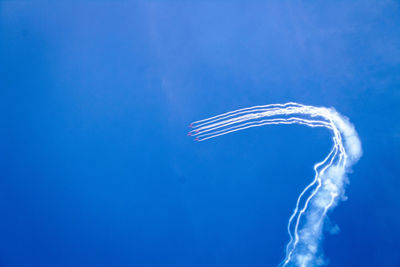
x,y
306,222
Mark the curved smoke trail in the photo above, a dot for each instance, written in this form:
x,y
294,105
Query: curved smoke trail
x,y
306,222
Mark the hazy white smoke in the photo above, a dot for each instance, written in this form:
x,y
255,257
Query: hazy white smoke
x,y
327,188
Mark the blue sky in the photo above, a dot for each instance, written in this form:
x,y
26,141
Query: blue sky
x,y
96,97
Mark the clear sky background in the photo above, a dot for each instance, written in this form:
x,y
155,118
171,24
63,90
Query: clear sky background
x,y
95,165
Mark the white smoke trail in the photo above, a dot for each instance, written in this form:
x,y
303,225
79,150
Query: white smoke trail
x,y
306,222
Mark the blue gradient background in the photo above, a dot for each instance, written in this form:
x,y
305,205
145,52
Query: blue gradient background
x,y
95,165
